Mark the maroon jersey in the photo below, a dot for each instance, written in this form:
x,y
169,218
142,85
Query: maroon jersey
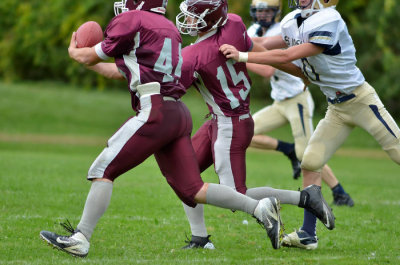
x,y
224,84
147,48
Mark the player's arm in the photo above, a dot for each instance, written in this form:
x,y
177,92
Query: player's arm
x,y
272,57
275,42
260,69
268,70
293,69
86,56
109,70
269,43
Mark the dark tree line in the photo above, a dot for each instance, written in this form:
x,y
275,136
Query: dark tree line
x,y
35,36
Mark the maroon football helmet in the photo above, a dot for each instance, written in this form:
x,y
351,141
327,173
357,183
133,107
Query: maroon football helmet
x,y
158,6
201,16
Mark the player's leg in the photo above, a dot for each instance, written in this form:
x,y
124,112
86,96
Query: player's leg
x,y
77,244
266,211
115,159
202,146
330,133
340,196
299,111
266,120
178,164
232,141
376,120
231,137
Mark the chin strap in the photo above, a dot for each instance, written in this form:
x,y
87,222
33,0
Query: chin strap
x,y
305,13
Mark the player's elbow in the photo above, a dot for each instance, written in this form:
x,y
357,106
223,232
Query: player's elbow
x,y
286,58
269,72
117,76
90,60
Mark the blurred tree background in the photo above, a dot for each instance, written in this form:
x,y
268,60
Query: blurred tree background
x,y
35,36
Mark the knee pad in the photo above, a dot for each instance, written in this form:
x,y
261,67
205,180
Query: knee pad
x,y
312,161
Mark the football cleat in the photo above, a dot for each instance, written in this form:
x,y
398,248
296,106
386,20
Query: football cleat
x,y
312,200
267,214
300,239
342,199
76,244
199,242
296,165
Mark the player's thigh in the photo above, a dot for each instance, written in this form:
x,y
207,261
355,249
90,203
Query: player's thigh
x,y
178,164
376,120
268,119
126,149
328,136
300,113
202,143
230,144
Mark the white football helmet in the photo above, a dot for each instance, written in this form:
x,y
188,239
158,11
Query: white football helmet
x,y
313,6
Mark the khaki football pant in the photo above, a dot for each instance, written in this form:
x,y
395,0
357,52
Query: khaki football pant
x,y
296,111
366,111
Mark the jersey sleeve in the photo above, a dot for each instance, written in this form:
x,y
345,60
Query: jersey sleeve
x,y
249,42
120,34
188,67
326,35
251,31
247,39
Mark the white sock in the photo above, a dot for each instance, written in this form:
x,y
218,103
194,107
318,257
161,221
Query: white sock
x,y
96,204
196,219
285,196
225,197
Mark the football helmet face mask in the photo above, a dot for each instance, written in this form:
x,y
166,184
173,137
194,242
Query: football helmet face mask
x,y
201,16
312,6
158,6
258,6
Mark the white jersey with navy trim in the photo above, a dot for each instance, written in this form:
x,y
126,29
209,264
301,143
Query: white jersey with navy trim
x,y
333,70
283,85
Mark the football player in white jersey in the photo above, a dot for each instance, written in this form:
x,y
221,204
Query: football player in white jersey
x,y
316,34
292,104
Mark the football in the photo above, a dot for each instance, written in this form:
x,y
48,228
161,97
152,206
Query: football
x,y
89,34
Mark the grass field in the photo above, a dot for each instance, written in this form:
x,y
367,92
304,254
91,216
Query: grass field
x,y
50,135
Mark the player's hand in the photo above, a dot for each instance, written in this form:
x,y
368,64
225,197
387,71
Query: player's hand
x,y
229,51
72,46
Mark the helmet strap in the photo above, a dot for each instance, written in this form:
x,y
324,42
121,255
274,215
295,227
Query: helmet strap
x,y
305,13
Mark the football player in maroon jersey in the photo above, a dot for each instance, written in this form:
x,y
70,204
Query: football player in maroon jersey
x,y
225,86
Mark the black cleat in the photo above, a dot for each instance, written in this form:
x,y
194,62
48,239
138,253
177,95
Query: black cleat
x,y
342,199
296,165
199,242
312,200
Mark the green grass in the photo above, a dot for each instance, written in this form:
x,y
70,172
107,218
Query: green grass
x,y
50,135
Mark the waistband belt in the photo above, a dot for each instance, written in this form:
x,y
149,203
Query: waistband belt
x,y
226,118
148,89
169,99
341,99
152,88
